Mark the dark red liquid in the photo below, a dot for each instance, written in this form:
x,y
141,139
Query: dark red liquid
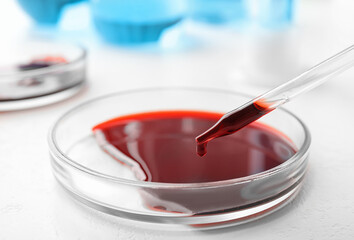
x,y
43,62
162,145
230,123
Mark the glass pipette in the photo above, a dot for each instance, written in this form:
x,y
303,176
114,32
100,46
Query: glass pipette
x,y
265,103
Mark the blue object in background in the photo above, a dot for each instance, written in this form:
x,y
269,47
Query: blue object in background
x,y
45,11
135,21
275,13
141,21
218,11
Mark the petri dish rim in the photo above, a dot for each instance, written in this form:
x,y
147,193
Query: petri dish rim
x,y
55,150
41,71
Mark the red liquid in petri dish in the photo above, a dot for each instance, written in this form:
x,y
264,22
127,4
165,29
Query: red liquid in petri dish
x,y
162,148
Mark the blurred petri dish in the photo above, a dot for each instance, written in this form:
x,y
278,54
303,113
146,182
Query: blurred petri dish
x,y
36,73
99,181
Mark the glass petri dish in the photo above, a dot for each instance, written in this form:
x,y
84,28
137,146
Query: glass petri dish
x,y
92,177
36,73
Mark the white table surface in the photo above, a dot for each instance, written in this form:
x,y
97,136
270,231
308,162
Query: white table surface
x,y
34,206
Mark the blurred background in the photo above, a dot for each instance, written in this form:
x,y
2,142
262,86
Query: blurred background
x,y
242,44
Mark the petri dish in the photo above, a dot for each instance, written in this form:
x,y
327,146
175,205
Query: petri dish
x,y
36,73
95,179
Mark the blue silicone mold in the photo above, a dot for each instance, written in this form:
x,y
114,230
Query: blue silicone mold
x,y
135,21
45,11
